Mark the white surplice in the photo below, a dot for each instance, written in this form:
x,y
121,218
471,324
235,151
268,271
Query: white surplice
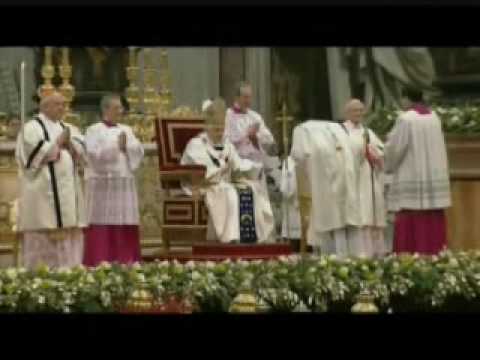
x,y
221,197
371,191
326,172
51,209
111,187
416,156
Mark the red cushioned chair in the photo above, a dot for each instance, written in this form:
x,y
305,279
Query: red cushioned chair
x,y
184,217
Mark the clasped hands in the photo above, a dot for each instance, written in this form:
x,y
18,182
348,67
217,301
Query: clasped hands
x,y
252,134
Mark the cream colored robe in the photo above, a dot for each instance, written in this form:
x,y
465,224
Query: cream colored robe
x,y
373,216
326,171
51,203
416,156
221,196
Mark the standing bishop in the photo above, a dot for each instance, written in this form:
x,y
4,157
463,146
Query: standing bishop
x,y
51,214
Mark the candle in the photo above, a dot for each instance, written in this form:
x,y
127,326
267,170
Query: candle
x,y
65,56
22,92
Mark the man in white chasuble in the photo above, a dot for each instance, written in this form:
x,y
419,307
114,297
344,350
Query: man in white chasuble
x,y
326,173
240,212
51,214
367,151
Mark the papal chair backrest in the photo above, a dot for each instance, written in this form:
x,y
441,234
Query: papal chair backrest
x,y
173,132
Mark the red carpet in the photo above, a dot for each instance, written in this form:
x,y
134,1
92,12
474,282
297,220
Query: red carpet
x,y
221,252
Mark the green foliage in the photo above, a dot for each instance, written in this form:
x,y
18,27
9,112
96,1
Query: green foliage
x,y
447,282
463,119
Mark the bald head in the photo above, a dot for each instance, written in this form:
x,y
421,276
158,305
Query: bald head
x,y
53,106
354,111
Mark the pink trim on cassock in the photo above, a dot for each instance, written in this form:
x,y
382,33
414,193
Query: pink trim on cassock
x,y
237,110
421,109
420,231
109,124
112,243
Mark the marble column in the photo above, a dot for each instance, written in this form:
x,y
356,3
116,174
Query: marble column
x,y
10,60
258,74
338,81
232,71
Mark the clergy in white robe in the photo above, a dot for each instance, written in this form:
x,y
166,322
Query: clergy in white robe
x,y
51,211
326,174
416,156
240,212
291,227
114,154
368,154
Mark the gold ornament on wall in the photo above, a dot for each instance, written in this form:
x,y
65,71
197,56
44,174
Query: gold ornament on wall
x,y
48,73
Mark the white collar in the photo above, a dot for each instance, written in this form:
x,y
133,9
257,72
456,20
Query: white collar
x,y
46,119
349,124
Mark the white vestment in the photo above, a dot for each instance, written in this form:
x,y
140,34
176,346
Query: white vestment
x,y
416,156
326,173
291,226
221,197
111,189
51,205
370,189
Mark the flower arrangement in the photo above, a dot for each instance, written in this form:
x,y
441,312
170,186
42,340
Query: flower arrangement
x,y
446,282
464,119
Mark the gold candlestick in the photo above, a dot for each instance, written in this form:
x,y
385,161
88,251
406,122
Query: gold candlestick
x,y
151,98
133,92
165,83
48,72
66,89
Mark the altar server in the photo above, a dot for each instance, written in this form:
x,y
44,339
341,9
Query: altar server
x,y
416,156
114,154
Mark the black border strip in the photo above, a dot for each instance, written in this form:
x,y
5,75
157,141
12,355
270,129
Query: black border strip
x,y
34,153
53,179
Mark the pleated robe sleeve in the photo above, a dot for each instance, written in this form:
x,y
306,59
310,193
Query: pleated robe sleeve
x,y
397,145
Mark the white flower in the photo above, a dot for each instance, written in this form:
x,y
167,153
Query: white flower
x,y
41,299
196,275
106,298
90,279
11,273
141,277
105,265
64,270
190,264
453,262
211,264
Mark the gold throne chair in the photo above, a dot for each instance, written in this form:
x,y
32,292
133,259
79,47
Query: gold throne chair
x,y
184,219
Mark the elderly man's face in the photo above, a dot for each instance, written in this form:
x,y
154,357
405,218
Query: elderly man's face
x,y
245,98
217,128
356,112
55,108
114,112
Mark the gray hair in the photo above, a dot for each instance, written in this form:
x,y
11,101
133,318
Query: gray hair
x,y
107,100
240,86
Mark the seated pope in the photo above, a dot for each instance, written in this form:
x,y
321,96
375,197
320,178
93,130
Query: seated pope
x,y
239,209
